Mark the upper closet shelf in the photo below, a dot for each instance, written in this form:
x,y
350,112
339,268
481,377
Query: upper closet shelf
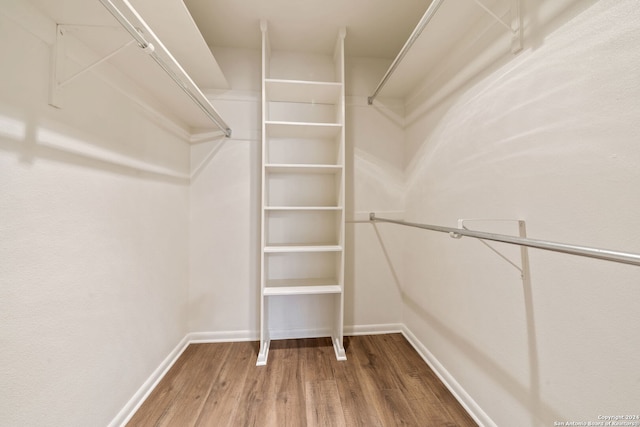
x,y
437,35
163,70
303,91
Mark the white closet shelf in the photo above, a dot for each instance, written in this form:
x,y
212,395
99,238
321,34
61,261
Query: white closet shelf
x,y
300,168
302,208
302,290
302,129
307,282
303,187
279,90
302,248
165,78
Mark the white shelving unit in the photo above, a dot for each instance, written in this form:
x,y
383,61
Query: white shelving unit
x,y
303,186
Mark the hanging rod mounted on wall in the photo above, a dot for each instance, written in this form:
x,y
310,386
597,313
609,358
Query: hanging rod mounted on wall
x,y
515,29
173,69
431,10
609,255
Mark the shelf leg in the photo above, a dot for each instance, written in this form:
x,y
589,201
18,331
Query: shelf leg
x,y
263,354
338,347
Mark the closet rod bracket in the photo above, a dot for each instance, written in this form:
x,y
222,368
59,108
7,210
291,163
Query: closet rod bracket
x,y
517,43
56,68
58,57
522,232
514,27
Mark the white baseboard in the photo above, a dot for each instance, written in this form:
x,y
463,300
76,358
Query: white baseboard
x,y
285,334
143,392
225,336
376,329
449,381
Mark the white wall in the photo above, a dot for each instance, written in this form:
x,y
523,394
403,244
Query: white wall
x,y
374,162
93,240
224,231
551,137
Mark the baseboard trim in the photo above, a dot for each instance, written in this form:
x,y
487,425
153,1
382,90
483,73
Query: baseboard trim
x,y
225,336
449,381
143,392
374,329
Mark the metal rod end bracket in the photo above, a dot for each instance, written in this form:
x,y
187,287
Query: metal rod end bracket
x,y
148,49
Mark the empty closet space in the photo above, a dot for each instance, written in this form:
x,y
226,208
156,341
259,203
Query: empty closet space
x,y
319,212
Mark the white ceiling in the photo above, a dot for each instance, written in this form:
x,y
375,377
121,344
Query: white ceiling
x,y
375,28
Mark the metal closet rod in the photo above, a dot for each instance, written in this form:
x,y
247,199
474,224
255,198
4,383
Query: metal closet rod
x,y
609,255
431,10
185,83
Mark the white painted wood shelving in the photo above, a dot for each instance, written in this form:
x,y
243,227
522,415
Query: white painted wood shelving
x,y
303,186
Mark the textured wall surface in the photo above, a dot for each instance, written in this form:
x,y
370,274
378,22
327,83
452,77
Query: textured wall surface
x,y
93,242
551,137
225,208
374,184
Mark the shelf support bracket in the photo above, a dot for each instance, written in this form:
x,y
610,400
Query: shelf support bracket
x,y
57,65
524,255
515,27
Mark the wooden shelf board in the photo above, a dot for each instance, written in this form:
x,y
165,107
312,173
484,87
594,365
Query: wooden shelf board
x,y
306,168
302,208
302,290
279,90
302,248
280,129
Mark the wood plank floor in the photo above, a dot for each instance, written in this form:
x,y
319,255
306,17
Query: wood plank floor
x,y
383,383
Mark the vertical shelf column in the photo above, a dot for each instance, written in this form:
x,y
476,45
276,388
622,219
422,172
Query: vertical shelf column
x,y
338,58
265,339
303,191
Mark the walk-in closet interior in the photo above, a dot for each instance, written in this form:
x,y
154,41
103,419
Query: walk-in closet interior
x,y
451,182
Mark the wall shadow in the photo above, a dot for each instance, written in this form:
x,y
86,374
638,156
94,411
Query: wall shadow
x,y
40,143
